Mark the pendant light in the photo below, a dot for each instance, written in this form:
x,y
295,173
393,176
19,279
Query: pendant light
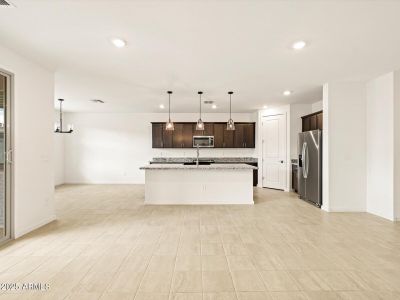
x,y
200,124
230,125
169,125
58,127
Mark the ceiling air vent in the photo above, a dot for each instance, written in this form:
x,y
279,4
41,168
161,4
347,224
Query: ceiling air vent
x,y
208,102
4,3
94,100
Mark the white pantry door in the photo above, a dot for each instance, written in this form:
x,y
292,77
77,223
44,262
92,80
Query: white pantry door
x,y
274,152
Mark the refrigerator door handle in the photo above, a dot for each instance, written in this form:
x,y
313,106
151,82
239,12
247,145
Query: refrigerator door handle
x,y
307,165
303,158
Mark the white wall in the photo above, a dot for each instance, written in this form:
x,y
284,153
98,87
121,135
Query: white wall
x,y
380,146
33,142
110,147
344,139
383,145
316,106
296,112
325,149
58,155
397,145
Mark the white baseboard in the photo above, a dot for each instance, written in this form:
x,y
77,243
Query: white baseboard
x,y
347,210
34,227
325,208
103,182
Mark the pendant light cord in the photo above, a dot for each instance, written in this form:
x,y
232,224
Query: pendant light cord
x,y
200,106
169,107
230,106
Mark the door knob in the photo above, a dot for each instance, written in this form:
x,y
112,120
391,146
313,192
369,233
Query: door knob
x,y
281,161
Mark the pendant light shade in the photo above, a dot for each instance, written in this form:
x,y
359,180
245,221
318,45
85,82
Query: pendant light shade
x,y
169,125
230,125
58,127
200,123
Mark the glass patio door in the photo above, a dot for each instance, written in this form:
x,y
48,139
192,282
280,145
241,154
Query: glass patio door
x,y
5,156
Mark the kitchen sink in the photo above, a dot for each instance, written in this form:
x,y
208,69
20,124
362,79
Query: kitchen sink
x,y
193,163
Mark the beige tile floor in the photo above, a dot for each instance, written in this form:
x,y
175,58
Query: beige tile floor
x,y
107,245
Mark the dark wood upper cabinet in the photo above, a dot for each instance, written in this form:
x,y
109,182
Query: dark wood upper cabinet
x,y
320,121
229,138
306,124
244,136
167,137
312,121
182,136
157,135
218,135
239,136
249,135
177,136
187,133
208,129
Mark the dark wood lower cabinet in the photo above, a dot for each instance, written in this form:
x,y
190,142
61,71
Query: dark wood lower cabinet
x,y
294,178
182,136
255,174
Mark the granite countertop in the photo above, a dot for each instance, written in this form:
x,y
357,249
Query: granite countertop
x,y
178,166
215,159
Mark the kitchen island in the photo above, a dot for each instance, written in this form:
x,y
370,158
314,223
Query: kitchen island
x,y
198,184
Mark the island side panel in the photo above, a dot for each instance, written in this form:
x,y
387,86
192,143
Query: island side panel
x,y
202,186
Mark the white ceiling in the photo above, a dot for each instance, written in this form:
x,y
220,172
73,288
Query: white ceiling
x,y
214,46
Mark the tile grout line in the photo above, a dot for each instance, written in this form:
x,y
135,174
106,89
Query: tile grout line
x,y
227,262
176,257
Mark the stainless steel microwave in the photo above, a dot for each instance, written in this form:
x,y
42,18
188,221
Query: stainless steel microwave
x,y
203,141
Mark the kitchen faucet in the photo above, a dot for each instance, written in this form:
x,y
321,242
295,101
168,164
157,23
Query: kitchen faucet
x,y
198,153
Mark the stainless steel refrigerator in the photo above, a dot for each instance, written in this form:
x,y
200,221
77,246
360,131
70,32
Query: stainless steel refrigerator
x,y
309,171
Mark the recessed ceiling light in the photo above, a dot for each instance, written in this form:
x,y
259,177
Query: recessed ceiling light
x,y
287,93
299,45
214,106
119,43
265,106
162,106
